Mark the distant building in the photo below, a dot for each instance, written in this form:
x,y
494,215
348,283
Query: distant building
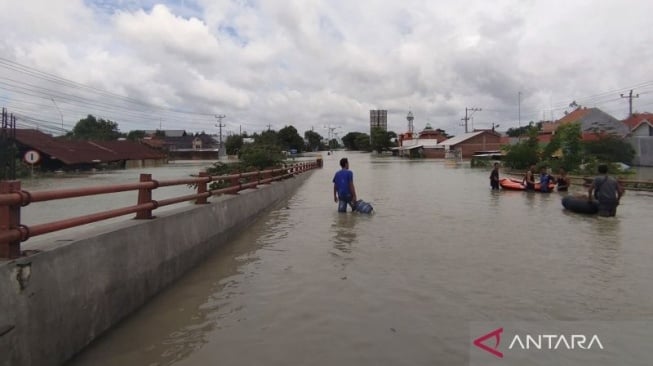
x,y
593,123
641,137
468,144
640,124
64,154
378,119
186,147
425,144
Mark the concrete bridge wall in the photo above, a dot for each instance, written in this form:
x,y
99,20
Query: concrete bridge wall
x,y
54,303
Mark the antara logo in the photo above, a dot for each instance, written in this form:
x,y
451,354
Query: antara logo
x,y
496,334
538,342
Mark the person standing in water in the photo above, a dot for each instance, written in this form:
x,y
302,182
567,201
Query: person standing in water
x,y
529,178
344,192
494,177
563,181
607,191
545,180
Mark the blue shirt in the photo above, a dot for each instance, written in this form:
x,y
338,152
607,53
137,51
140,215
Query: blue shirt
x,y
342,179
544,182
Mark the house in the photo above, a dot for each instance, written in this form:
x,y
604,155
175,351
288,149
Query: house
x,y
423,144
640,124
60,154
641,137
593,123
467,144
185,146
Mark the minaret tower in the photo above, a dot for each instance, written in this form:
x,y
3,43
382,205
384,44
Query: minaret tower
x,y
410,119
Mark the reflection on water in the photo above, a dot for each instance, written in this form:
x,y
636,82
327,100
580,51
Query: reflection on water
x,y
344,231
306,285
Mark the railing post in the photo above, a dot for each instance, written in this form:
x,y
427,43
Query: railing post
x,y
202,188
235,182
9,220
144,196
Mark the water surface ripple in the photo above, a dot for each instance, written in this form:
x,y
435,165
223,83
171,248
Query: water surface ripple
x,y
305,285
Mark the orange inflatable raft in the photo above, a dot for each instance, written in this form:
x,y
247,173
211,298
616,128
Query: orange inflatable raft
x,y
517,185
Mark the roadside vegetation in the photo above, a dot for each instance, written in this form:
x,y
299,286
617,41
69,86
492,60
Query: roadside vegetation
x,y
567,150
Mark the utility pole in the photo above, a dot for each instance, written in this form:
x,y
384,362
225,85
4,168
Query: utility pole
x,y
469,116
269,126
219,117
630,97
519,108
331,133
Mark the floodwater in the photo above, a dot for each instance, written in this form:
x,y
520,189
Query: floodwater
x,y
48,211
305,285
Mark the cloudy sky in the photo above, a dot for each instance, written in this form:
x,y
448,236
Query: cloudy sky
x,y
312,63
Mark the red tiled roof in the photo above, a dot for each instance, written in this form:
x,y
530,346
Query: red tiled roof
x,y
78,152
574,116
637,118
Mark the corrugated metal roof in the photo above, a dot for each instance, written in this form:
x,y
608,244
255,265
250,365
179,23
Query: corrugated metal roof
x,y
460,138
79,152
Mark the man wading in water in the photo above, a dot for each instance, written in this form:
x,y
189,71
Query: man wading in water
x,y
607,191
344,192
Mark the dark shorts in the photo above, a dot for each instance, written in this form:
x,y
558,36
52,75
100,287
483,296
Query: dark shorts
x,y
530,186
608,209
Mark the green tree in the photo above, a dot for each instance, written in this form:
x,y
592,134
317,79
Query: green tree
x,y
261,156
91,128
290,139
524,153
363,142
269,137
523,130
350,140
609,149
334,144
234,144
380,140
314,140
135,135
566,140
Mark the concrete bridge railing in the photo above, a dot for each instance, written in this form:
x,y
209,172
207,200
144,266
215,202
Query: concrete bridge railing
x,y
55,302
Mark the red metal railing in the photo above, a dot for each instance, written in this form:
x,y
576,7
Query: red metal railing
x,y
12,198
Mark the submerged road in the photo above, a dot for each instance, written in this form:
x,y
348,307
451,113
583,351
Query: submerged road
x,y
305,285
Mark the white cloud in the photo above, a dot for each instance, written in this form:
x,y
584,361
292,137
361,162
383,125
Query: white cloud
x,y
316,63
